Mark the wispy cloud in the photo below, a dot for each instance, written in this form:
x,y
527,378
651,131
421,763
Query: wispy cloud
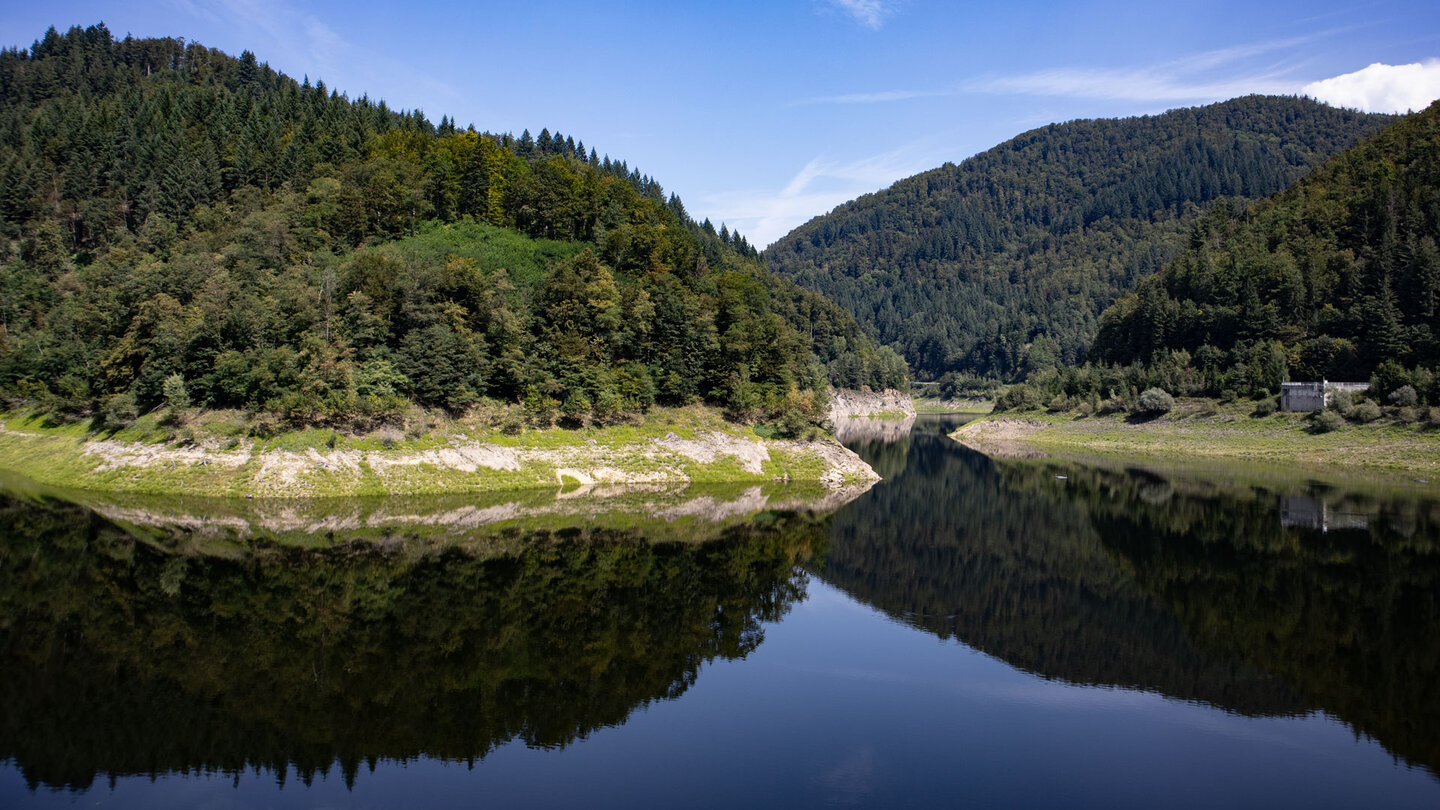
x,y
1204,75
872,98
1214,74
299,42
869,13
765,215
298,34
1381,87
1138,84
1221,57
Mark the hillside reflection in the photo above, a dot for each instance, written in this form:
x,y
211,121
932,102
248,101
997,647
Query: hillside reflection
x,y
1255,601
123,654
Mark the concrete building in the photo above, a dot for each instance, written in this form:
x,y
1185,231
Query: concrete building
x,y
1312,396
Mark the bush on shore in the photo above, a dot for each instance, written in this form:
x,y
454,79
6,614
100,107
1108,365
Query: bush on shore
x,y
1155,401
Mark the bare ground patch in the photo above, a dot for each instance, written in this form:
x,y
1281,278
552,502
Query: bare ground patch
x,y
1004,438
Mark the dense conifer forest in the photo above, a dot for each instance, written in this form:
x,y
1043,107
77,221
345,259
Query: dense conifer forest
x,y
1336,278
178,225
1000,266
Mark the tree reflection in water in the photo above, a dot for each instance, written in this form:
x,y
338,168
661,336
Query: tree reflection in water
x,y
121,656
1258,602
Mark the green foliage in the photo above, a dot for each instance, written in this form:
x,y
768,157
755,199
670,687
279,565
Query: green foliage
x,y
1338,277
170,212
1404,396
1365,412
1326,421
1020,397
1001,265
1155,401
120,411
174,392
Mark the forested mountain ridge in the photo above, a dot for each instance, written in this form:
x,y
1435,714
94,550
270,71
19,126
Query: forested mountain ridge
x,y
1337,277
1002,264
175,215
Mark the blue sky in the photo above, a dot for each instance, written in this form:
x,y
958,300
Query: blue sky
x,y
765,114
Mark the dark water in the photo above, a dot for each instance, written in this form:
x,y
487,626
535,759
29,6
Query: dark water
x,y
969,632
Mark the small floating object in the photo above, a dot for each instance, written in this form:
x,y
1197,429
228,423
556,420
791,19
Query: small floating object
x,y
1421,481
1062,477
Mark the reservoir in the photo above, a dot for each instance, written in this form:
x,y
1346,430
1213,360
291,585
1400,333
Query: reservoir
x,y
970,631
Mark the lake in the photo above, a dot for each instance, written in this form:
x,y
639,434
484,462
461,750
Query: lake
x,y
969,631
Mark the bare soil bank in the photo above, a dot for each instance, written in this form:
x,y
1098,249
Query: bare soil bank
x,y
678,447
1214,431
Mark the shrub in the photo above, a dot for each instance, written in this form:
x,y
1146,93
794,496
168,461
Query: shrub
x,y
576,409
173,389
1404,396
1155,401
265,426
1407,415
120,411
792,424
512,423
1111,406
1389,377
540,408
389,436
1326,421
1017,397
1265,407
1366,411
1342,402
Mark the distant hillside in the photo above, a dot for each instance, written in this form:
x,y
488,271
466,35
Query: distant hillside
x,y
1002,264
179,225
1335,278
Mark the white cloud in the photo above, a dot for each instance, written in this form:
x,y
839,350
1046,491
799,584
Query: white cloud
x,y
869,13
1381,88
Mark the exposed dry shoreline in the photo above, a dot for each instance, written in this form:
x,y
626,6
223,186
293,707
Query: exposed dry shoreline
x,y
867,404
556,458
1003,438
1406,451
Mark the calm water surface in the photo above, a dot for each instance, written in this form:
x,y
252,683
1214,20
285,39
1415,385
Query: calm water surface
x,y
968,632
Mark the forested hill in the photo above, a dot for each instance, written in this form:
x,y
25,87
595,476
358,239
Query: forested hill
x,y
176,219
1002,264
1338,277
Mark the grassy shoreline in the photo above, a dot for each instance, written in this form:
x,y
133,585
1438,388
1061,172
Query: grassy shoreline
x,y
933,405
213,454
1209,431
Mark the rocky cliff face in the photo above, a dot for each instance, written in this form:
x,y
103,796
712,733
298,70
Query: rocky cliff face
x,y
865,403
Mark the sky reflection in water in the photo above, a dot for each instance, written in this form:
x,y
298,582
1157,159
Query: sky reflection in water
x,y
1094,679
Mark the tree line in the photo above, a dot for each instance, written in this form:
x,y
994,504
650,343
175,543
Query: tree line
x,y
174,214
1001,265
1336,278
